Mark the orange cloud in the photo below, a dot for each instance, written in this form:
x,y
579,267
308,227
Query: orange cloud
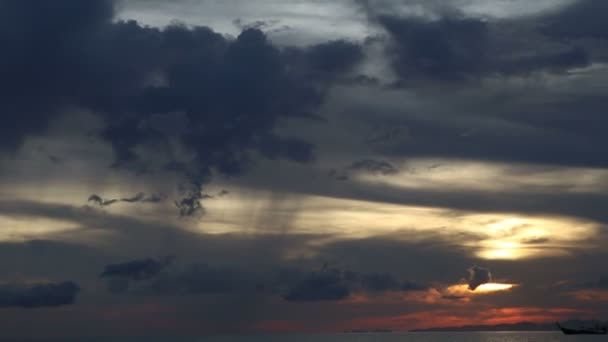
x,y
451,295
450,317
593,295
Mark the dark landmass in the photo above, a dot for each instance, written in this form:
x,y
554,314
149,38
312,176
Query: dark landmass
x,y
359,331
521,326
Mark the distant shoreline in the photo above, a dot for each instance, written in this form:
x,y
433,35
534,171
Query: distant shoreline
x,y
466,331
522,326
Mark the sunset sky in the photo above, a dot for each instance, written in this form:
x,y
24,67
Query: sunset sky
x,y
202,166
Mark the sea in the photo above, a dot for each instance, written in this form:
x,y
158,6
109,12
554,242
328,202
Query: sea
x,y
552,336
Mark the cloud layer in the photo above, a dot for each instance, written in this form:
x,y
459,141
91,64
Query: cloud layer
x,y
304,180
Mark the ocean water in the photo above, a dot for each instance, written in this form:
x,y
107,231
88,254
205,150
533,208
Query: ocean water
x,y
361,337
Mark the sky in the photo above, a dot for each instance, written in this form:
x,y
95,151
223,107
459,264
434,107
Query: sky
x,y
191,167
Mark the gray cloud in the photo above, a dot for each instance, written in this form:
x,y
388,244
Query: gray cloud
x,y
582,19
38,295
332,284
363,166
319,286
292,284
119,276
141,269
450,49
205,279
478,276
373,166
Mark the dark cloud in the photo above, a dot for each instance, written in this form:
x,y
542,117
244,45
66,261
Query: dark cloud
x,y
38,295
257,24
55,159
338,175
373,166
100,201
45,66
154,198
140,197
385,135
136,269
191,199
332,284
334,57
581,19
457,47
568,58
120,276
379,282
448,49
384,282
204,279
190,202
230,92
293,284
367,166
560,128
136,198
327,285
413,286
540,127
478,276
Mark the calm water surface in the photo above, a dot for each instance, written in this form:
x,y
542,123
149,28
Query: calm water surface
x,y
370,337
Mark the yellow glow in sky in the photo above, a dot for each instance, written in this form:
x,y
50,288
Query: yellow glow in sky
x,y
486,235
493,287
463,289
21,229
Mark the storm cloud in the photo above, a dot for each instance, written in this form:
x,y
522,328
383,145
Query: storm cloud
x,y
456,47
230,92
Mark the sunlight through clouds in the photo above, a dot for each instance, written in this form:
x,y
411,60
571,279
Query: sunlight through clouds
x,y
17,229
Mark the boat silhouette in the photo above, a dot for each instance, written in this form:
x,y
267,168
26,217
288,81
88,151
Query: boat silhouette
x,y
582,331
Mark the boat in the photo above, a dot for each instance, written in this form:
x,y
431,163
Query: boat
x,y
583,331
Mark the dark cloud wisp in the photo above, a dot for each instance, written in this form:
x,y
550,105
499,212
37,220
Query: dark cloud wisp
x,y
140,197
38,295
374,167
137,269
